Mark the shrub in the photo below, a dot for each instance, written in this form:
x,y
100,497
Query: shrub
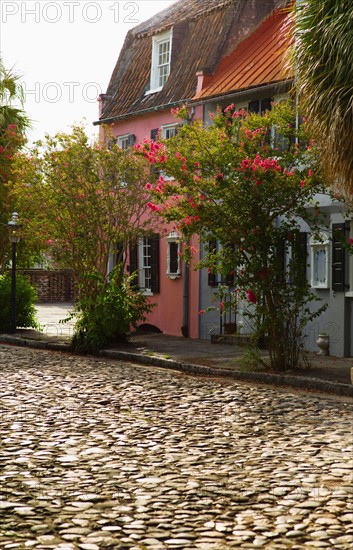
x,y
25,299
110,313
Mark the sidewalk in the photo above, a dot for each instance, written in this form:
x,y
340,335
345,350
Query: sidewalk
x,y
199,357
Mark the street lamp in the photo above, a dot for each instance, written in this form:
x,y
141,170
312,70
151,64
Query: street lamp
x,y
14,237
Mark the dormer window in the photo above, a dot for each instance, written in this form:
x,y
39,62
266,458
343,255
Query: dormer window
x,y
161,56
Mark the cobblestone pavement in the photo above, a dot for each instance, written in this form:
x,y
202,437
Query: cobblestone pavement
x,y
105,455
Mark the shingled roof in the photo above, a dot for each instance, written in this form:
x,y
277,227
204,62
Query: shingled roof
x,y
203,32
257,61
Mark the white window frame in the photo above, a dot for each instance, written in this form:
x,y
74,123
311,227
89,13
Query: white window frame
x,y
145,267
173,238
157,67
318,244
165,129
123,141
168,129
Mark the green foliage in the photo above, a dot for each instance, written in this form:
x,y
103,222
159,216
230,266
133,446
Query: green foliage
x,y
246,182
25,300
94,198
323,66
13,124
110,314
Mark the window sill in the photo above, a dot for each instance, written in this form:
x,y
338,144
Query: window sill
x,y
320,287
154,91
349,294
173,276
147,292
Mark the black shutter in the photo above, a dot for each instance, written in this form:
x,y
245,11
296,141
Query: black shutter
x,y
297,271
212,277
173,257
302,248
254,106
266,105
154,241
228,280
119,253
154,134
131,140
338,257
133,253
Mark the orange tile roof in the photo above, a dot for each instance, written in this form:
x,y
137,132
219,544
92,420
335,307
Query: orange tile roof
x,y
258,60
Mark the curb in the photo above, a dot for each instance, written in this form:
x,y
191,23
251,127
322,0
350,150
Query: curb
x,y
305,383
35,344
280,380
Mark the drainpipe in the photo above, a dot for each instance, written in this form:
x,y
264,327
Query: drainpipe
x,y
186,289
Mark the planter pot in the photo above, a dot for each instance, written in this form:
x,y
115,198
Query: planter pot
x,y
323,343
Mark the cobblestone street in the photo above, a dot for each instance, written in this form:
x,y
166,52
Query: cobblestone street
x,y
97,454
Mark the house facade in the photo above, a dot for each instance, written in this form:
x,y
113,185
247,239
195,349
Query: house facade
x,y
253,77
210,54
163,63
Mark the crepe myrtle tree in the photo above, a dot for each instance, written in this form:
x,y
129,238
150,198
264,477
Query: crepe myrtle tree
x,y
78,200
246,181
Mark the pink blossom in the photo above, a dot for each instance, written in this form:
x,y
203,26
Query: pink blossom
x,y
153,207
229,108
310,173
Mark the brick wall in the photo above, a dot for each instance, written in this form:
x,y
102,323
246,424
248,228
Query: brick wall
x,y
53,285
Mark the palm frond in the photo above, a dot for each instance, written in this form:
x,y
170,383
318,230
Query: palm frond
x,y
323,64
11,101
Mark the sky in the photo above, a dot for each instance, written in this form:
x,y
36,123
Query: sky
x,y
65,52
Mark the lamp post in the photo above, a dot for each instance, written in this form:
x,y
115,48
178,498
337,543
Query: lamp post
x,y
14,237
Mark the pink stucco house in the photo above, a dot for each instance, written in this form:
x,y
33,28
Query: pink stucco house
x,y
184,54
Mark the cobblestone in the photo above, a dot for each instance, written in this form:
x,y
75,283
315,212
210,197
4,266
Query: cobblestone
x,y
97,455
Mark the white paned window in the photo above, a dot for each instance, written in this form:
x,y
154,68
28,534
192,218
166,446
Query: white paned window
x,y
319,247
125,141
145,264
161,57
169,130
173,255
